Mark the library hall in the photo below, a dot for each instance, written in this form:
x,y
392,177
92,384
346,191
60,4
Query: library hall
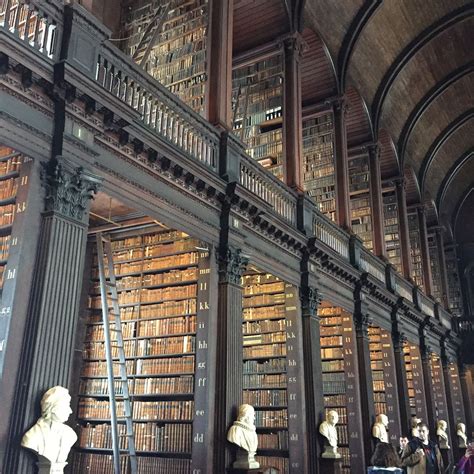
x,y
236,237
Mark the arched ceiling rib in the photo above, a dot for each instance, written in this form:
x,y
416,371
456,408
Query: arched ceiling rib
x,y
447,107
389,164
358,126
449,144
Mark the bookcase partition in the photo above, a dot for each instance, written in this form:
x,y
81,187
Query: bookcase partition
x,y
454,284
14,183
163,288
360,202
391,228
382,362
339,364
318,162
272,369
456,393
435,266
257,95
169,39
415,384
439,391
415,249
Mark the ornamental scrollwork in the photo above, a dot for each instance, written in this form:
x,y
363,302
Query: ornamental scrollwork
x,y
232,265
68,189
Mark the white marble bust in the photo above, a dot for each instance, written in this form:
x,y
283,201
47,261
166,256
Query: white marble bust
x,y
243,433
328,430
379,430
461,433
50,438
443,439
415,430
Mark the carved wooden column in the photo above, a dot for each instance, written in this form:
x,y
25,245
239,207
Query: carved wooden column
x,y
403,224
292,114
398,338
426,369
443,273
219,86
376,200
445,362
362,322
48,343
229,367
341,164
425,254
312,367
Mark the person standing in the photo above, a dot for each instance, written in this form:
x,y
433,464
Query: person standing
x,y
422,456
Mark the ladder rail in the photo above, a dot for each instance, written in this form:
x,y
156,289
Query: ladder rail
x,y
108,356
108,283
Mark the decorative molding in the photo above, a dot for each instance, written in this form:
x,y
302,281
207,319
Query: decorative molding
x,y
232,265
68,189
310,300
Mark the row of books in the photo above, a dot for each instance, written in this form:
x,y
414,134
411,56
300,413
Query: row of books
x,y
281,464
277,440
141,386
7,214
264,381
332,365
163,410
143,347
264,299
9,188
271,418
272,287
334,387
263,313
10,165
154,250
264,366
332,353
167,365
331,341
254,327
265,397
267,338
265,351
4,246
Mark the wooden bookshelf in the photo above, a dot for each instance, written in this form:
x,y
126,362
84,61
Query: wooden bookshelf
x,y
257,95
15,169
439,391
162,281
170,42
415,384
391,228
415,249
435,267
360,202
271,368
454,284
318,162
338,354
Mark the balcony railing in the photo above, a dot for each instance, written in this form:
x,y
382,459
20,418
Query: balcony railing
x,y
34,24
159,109
268,188
372,265
329,233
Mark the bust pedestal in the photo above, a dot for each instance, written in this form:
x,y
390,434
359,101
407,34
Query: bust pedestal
x,y
331,466
445,454
45,466
245,460
330,452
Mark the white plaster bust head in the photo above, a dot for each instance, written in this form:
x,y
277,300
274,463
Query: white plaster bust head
x,y
328,430
243,433
379,430
50,438
415,426
461,433
443,440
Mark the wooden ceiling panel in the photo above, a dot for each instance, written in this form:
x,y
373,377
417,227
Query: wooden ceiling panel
x,y
411,186
450,105
453,148
449,51
393,26
257,22
332,20
317,74
358,125
464,229
389,165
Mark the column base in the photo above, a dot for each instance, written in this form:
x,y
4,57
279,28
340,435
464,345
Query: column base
x,y
330,466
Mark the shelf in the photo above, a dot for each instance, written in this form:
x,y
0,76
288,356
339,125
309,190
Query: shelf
x,y
170,454
141,420
5,229
150,257
263,332
274,292
10,175
138,338
264,387
153,287
263,305
141,376
160,356
10,200
265,357
156,270
181,315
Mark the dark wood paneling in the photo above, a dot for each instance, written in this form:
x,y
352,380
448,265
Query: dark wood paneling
x,y
359,128
389,164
